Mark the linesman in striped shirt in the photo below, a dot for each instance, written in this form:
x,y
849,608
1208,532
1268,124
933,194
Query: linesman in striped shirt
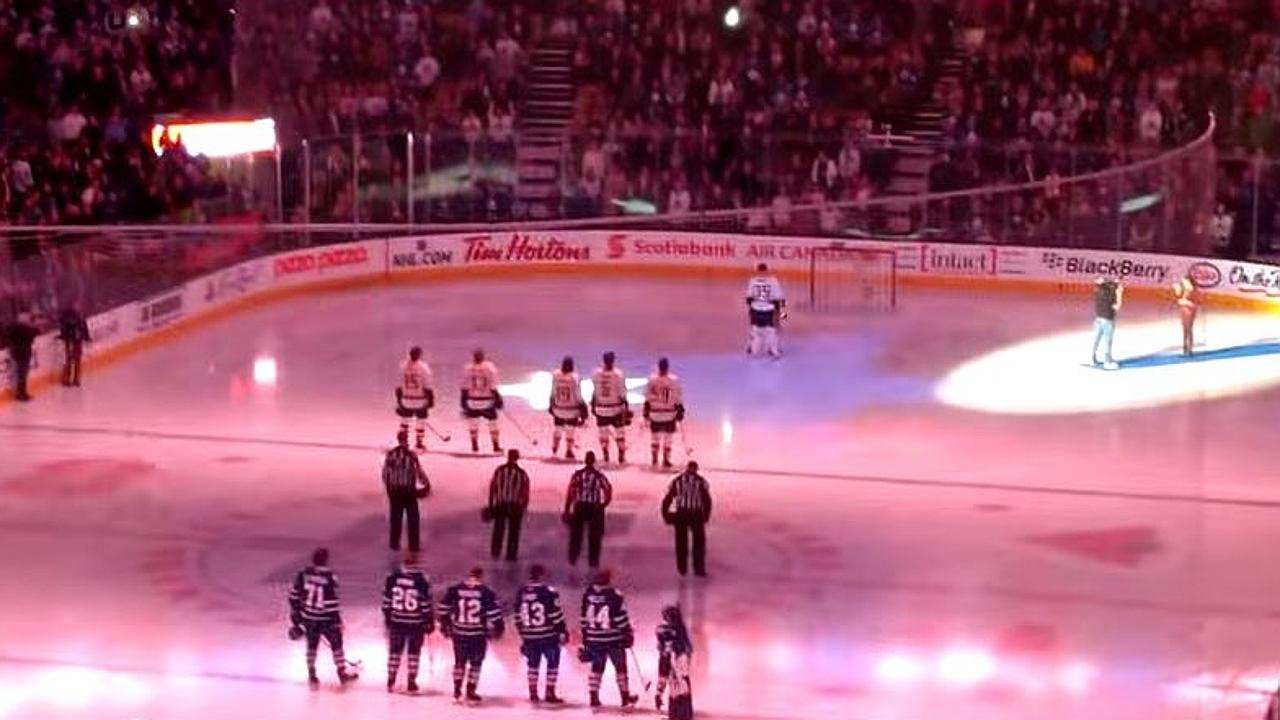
x,y
508,500
314,610
409,616
589,494
401,475
687,507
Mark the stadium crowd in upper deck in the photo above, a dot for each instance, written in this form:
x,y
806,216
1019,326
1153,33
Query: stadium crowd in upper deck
x,y
671,106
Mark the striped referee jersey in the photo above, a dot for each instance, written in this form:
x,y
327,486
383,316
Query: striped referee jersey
x,y
510,486
688,495
589,486
401,471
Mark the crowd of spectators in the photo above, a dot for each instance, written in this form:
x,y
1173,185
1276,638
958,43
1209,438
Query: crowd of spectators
x,y
673,108
84,81
687,114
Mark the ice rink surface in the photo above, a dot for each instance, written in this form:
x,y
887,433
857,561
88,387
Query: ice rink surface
x,y
938,512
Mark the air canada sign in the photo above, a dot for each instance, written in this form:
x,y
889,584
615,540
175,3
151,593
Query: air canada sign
x,y
522,248
321,260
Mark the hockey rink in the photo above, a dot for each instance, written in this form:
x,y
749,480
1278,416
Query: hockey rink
x,y
937,512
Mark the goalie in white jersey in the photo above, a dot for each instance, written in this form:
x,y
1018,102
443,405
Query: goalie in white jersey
x,y
414,396
481,399
766,305
663,408
609,404
567,408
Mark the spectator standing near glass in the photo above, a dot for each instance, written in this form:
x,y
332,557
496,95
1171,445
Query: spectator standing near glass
x,y
73,331
1108,295
21,338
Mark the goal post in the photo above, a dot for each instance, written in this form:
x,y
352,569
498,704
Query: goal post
x,y
852,278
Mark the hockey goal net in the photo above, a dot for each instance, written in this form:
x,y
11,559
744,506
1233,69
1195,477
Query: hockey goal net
x,y
846,278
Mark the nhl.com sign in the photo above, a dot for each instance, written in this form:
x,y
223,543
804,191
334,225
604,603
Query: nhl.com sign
x,y
422,256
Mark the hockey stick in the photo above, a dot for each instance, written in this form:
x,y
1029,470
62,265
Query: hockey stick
x,y
511,419
639,670
684,442
437,433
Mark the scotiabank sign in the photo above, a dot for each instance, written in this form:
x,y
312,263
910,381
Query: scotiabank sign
x,y
320,260
680,247
522,248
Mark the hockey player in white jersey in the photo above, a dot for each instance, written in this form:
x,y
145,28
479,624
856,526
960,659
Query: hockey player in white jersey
x,y
414,396
766,305
609,405
566,407
481,399
663,408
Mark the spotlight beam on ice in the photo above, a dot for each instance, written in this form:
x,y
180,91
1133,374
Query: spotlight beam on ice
x,y
1052,374
537,390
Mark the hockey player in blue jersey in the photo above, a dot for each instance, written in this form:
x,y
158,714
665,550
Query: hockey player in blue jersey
x,y
540,621
314,612
674,651
470,617
606,636
409,618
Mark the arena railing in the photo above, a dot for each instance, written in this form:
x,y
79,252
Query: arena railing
x,y
1159,204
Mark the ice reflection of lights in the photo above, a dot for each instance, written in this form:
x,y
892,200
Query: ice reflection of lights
x,y
537,390
899,669
782,657
265,371
1049,375
1077,677
72,687
966,667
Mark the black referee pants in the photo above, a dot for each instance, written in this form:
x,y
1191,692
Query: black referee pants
x,y
506,521
402,506
684,529
588,519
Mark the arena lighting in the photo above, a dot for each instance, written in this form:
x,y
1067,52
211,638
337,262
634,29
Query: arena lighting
x,y
732,17
537,390
1052,374
217,139
898,668
965,667
265,371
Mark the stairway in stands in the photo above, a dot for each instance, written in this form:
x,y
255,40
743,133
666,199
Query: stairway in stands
x,y
918,134
548,109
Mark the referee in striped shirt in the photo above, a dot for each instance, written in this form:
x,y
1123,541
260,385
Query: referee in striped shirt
x,y
687,507
401,474
508,500
589,494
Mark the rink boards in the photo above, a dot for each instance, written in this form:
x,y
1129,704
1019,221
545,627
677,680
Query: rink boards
x,y
138,325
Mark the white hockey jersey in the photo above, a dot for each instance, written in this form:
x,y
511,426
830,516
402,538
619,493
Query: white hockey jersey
x,y
479,384
609,392
566,395
415,382
764,292
664,397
